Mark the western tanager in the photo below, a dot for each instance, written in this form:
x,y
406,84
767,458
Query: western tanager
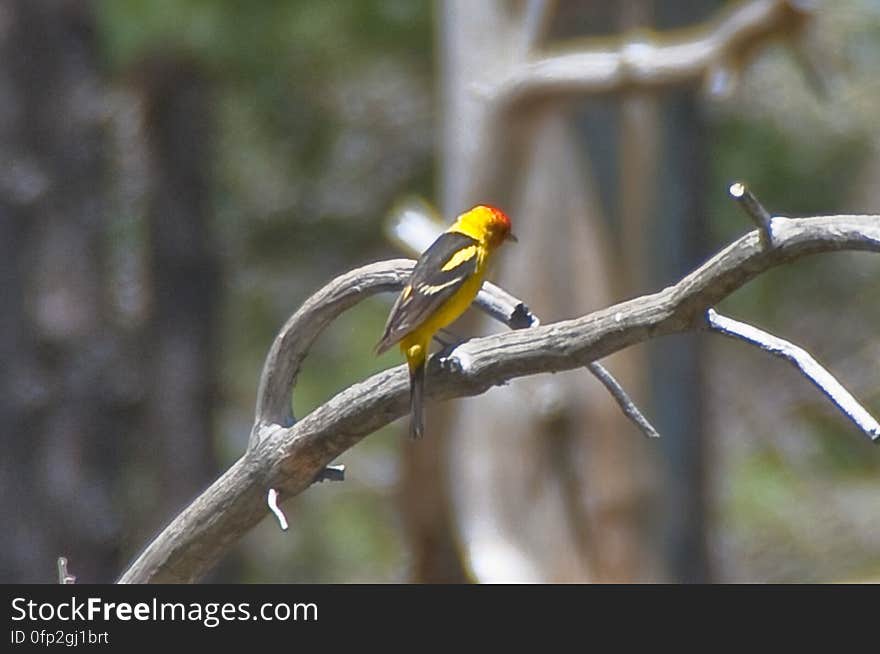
x,y
443,283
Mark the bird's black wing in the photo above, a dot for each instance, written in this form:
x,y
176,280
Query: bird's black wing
x,y
437,275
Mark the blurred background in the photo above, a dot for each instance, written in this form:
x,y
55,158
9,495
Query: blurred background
x,y
176,177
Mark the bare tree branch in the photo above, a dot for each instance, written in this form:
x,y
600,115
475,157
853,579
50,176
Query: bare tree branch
x,y
755,210
629,408
289,458
639,63
804,362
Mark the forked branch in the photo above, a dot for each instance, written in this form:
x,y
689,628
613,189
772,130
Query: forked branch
x,y
288,458
803,361
721,46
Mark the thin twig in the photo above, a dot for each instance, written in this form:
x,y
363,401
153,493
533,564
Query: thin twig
x,y
272,501
755,210
64,577
803,361
331,473
628,407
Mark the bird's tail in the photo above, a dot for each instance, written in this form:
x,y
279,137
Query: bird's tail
x,y
416,388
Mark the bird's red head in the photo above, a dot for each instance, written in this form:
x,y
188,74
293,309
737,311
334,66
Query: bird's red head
x,y
499,218
493,222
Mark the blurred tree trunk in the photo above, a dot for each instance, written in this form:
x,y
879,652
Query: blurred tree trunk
x,y
81,434
165,132
638,135
544,484
663,206
65,413
184,276
679,234
677,367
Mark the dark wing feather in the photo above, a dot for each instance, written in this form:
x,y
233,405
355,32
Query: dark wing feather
x,y
429,286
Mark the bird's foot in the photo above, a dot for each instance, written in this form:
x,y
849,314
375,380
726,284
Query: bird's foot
x,y
453,361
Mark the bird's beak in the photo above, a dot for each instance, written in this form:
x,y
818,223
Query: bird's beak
x,y
511,237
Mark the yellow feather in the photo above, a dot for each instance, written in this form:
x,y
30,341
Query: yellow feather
x,y
465,254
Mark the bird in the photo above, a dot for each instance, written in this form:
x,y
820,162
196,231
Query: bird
x,y
442,285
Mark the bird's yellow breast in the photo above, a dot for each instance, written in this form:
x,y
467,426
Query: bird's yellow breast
x,y
448,312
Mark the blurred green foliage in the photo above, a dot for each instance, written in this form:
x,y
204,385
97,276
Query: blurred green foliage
x,y
323,116
248,39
